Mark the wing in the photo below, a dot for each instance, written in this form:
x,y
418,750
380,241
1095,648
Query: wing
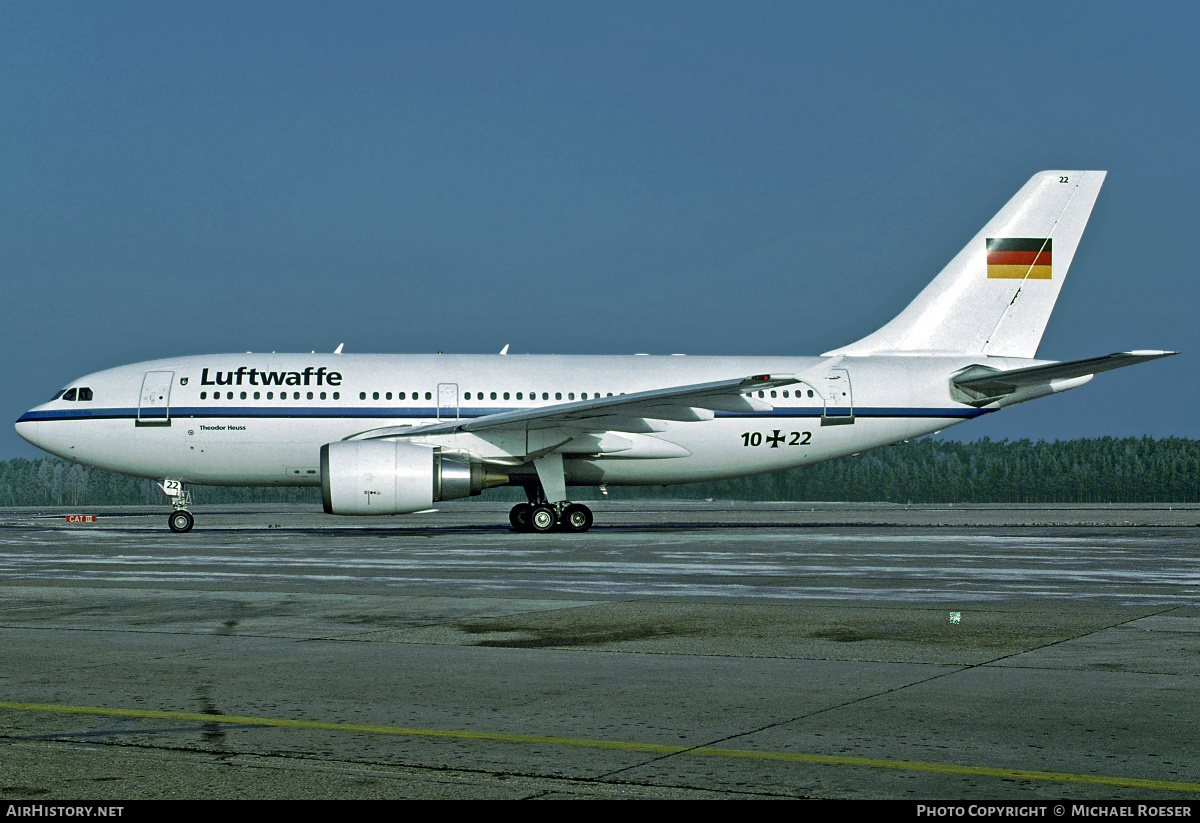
x,y
621,413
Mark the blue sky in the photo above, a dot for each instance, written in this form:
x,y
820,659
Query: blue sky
x,y
709,178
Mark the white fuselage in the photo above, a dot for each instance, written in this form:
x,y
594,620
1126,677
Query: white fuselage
x,y
261,419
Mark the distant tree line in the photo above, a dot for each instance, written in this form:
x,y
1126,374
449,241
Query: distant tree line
x,y
1095,470
48,481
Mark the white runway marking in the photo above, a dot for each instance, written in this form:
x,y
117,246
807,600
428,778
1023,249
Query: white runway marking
x,y
1128,566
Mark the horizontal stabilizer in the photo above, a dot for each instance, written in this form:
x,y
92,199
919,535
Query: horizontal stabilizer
x,y
982,381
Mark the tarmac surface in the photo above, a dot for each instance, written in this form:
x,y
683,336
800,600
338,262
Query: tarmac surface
x,y
677,650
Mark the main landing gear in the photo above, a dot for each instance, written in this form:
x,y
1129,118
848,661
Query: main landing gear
x,y
548,508
544,517
180,520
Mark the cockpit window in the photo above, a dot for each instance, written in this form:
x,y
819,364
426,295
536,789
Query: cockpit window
x,y
56,396
80,393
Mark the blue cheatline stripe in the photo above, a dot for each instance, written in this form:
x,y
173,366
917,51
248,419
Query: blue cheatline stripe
x,y
269,412
429,413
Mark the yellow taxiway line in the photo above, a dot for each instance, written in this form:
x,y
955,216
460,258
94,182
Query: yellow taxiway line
x,y
617,745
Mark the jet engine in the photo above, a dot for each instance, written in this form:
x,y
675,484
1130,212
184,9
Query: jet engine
x,y
390,477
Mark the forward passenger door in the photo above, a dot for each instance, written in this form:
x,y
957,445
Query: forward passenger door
x,y
154,404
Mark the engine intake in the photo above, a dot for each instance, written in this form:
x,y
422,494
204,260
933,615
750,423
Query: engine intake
x,y
389,477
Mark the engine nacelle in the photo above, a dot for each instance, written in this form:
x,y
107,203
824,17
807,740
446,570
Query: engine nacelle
x,y
389,477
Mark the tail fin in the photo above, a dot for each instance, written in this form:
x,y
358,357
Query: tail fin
x,y
996,295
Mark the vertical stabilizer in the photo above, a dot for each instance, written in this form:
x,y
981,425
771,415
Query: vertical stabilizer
x,y
996,295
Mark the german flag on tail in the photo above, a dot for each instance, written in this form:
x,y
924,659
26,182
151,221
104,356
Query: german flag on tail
x,y
1019,258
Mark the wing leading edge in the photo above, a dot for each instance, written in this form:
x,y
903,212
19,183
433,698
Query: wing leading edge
x,y
623,412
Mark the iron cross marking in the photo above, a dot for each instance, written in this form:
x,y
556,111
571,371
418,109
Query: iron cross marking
x,y
775,439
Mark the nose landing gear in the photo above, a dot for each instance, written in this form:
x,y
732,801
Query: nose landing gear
x,y
180,520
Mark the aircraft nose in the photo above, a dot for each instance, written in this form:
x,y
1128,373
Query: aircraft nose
x,y
28,429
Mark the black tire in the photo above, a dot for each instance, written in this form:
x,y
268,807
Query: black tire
x,y
181,521
518,518
543,519
576,518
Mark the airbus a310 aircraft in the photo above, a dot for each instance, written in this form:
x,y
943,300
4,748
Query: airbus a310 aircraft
x,y
391,434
